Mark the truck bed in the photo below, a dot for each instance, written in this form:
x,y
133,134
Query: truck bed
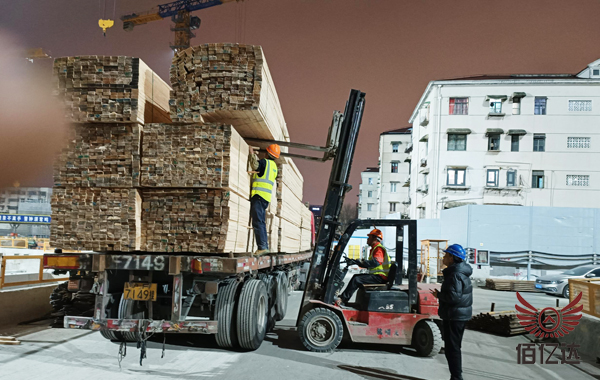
x,y
176,263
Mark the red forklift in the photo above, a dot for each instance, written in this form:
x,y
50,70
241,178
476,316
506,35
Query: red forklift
x,y
394,313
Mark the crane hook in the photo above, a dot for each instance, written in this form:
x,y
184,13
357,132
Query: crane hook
x,y
105,24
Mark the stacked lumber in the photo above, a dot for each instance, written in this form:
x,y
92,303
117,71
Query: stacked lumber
x,y
228,83
111,89
195,155
306,230
96,219
503,323
510,285
100,155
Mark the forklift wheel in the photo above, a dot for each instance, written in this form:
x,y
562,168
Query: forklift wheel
x,y
321,330
427,338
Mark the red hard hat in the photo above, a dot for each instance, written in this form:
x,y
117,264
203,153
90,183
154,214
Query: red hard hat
x,y
377,233
274,150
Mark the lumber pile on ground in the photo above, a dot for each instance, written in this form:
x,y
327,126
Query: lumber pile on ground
x,y
125,182
510,285
503,323
111,89
228,83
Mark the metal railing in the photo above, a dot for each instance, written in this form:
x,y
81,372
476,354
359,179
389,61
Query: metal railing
x,y
591,294
40,279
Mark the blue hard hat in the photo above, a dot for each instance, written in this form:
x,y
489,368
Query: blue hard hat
x,y
457,250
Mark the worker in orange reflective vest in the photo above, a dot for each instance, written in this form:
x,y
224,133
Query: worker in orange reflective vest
x,y
263,183
379,264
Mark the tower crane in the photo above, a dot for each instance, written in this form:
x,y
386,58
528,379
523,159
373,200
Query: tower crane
x,y
179,11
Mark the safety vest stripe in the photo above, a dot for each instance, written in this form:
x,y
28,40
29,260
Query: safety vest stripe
x,y
384,268
258,188
260,180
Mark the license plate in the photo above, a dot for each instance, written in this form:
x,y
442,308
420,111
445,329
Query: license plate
x,y
139,292
538,286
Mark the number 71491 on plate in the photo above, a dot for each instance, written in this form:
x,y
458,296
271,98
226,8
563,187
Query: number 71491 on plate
x,y
139,292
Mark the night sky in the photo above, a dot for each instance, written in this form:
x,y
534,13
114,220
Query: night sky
x,y
318,50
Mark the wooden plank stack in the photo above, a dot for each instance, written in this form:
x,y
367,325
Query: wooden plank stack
x,y
228,83
111,89
96,219
504,323
130,180
510,285
100,155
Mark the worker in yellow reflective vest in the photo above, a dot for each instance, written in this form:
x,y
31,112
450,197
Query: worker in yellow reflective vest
x,y
378,264
263,188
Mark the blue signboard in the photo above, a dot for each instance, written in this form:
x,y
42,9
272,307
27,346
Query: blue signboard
x,y
25,219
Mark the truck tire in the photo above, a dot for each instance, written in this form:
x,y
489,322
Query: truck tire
x,y
427,338
281,295
114,336
225,315
252,314
321,330
130,309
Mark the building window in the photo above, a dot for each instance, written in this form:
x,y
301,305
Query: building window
x,y
492,178
459,106
395,147
457,142
370,194
369,206
580,105
595,72
456,177
511,178
516,106
394,167
578,180
370,181
495,106
514,143
422,213
393,187
392,206
578,142
538,179
493,142
539,142
540,105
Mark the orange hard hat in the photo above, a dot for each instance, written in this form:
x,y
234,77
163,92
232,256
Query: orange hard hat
x,y
274,150
377,233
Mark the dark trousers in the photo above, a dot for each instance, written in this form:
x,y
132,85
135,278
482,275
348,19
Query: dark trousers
x,y
258,208
360,279
453,334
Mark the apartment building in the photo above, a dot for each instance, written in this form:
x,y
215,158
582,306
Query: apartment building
x,y
518,140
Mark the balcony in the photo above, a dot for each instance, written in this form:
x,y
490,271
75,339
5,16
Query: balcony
x,y
424,120
423,162
423,189
503,196
409,148
406,182
408,158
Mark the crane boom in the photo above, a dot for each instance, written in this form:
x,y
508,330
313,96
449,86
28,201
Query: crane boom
x,y
179,11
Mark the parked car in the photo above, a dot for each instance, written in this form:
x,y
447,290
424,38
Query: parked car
x,y
559,283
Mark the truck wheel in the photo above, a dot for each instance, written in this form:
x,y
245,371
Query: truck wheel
x,y
115,336
427,338
252,314
130,309
321,330
224,313
281,296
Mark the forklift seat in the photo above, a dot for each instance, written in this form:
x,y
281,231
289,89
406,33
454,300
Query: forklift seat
x,y
391,280
383,298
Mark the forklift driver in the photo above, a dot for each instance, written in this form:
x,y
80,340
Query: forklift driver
x,y
378,264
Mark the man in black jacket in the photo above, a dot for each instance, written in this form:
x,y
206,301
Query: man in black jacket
x,y
456,305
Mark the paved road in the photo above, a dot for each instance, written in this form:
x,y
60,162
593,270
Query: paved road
x,y
70,354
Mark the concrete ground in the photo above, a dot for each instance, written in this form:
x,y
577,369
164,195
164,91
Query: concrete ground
x,y
71,354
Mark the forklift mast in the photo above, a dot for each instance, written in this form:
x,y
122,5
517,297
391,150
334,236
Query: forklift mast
x,y
334,199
